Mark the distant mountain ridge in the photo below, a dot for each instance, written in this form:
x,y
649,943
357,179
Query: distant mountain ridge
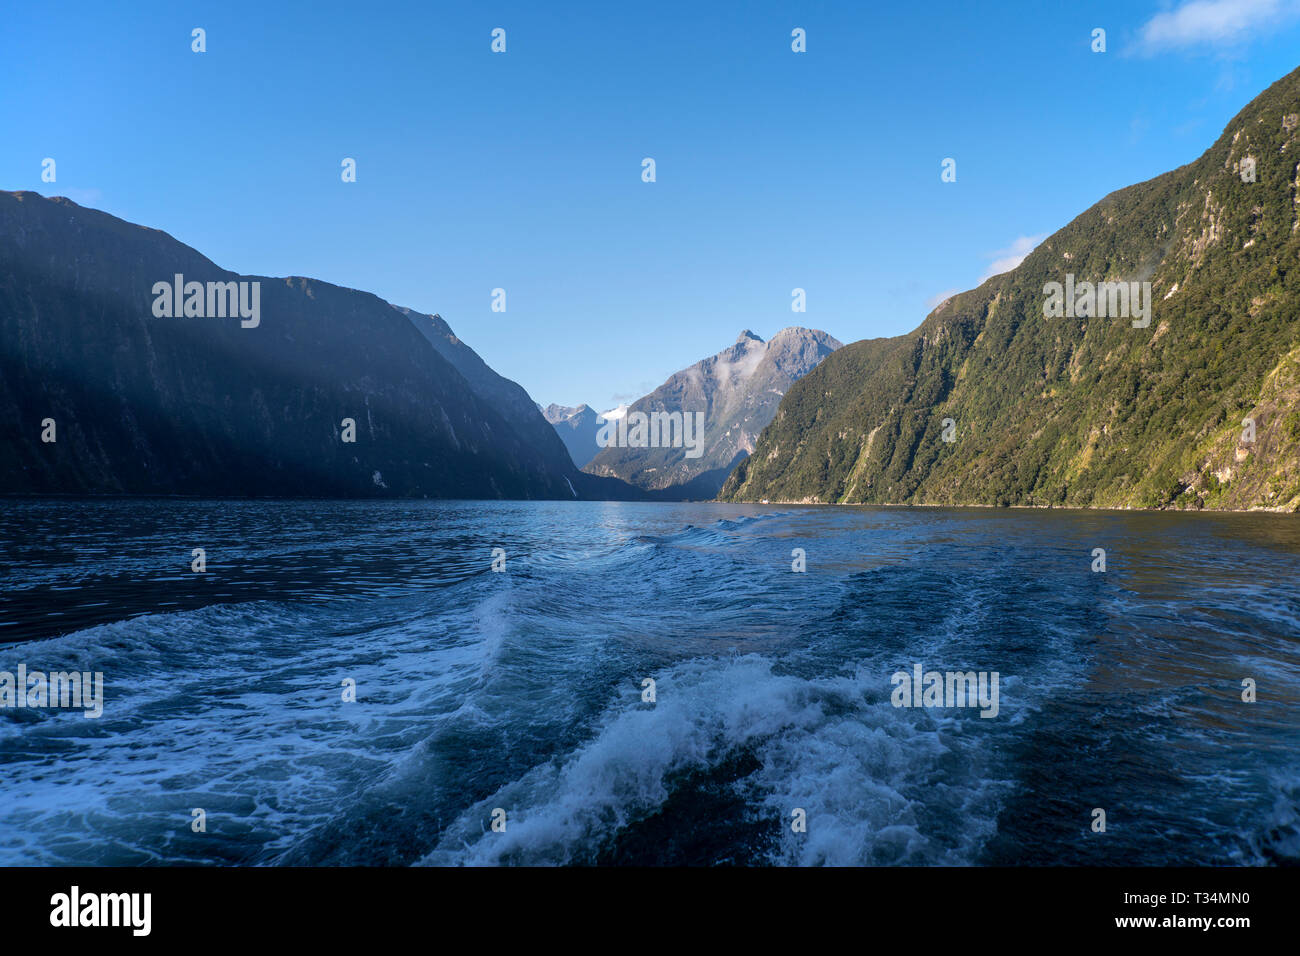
x,y
1001,398
577,428
737,391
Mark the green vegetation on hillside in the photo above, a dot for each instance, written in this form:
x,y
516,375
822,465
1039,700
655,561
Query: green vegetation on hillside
x,y
1085,412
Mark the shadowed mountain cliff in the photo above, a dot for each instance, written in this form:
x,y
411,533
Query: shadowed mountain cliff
x,y
189,405
1192,404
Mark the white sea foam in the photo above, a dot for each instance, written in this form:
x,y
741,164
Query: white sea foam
x,y
833,746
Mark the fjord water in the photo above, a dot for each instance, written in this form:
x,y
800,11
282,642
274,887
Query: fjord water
x,y
522,690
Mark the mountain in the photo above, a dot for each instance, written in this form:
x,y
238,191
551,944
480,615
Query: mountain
x,y
577,428
524,416
509,398
147,404
736,391
1053,406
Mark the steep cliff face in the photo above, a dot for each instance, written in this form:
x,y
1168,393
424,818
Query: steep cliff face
x,y
1024,392
509,398
736,392
189,405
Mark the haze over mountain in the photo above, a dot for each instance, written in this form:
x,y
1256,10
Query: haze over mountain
x,y
1075,409
143,404
738,391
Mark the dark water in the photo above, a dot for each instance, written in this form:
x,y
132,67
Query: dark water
x,y
522,690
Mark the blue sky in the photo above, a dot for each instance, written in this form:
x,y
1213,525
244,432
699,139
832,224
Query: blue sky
x,y
522,170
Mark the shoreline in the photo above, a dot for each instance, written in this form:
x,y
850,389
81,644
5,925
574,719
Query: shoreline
x,y
76,497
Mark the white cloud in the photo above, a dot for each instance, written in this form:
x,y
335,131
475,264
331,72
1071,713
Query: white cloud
x,y
1213,23
1007,259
